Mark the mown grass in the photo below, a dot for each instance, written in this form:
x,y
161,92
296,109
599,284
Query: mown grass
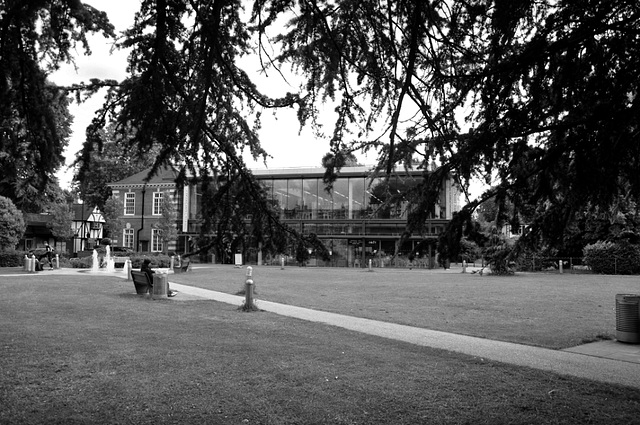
x,y
548,310
84,349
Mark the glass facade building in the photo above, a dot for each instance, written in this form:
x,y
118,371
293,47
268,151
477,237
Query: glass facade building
x,y
353,220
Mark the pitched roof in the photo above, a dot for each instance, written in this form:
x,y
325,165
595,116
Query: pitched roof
x,y
83,212
165,176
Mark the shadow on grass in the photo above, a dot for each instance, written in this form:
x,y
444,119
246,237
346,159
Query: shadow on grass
x,y
78,351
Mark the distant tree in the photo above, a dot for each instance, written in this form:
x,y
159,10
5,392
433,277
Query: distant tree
x,y
12,224
112,161
167,224
111,213
35,37
62,220
302,253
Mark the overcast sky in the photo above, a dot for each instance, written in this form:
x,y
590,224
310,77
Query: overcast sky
x,y
279,136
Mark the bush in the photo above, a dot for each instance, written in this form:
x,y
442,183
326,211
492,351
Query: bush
x,y
11,258
81,263
612,258
499,259
469,251
12,225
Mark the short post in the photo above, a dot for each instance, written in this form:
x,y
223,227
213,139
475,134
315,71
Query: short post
x,y
31,267
282,263
25,266
571,264
57,261
248,291
160,284
370,269
560,266
127,268
533,264
464,266
173,261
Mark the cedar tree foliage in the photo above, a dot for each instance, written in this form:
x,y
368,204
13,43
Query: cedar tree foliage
x,y
35,37
538,97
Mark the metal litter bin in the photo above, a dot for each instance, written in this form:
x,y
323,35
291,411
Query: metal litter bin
x,y
160,285
628,318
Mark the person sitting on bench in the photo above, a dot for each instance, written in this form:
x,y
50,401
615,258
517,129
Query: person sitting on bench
x,y
146,268
184,263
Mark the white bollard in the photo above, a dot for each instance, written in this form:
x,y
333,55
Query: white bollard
x,y
281,263
370,269
560,266
57,261
25,266
173,260
464,266
249,305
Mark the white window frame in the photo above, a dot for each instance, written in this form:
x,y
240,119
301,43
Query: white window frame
x,y
128,238
158,199
129,203
156,241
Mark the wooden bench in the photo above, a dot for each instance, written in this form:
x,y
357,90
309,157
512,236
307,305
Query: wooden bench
x,y
141,282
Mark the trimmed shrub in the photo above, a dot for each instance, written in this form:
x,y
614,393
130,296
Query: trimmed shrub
x,y
612,258
157,260
81,263
11,258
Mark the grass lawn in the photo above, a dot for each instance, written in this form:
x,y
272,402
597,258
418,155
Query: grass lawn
x,y
548,310
84,349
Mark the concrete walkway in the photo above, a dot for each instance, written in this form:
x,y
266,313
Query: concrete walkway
x,y
570,362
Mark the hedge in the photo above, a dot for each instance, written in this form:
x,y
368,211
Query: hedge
x,y
612,258
12,258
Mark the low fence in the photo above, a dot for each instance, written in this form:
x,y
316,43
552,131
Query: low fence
x,y
523,264
551,264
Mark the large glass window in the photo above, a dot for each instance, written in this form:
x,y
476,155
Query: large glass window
x,y
341,198
294,200
356,197
376,196
310,198
280,195
325,202
129,203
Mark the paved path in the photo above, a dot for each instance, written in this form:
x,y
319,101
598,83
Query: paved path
x,y
582,365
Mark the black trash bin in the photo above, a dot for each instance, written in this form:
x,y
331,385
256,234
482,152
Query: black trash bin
x,y
628,318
